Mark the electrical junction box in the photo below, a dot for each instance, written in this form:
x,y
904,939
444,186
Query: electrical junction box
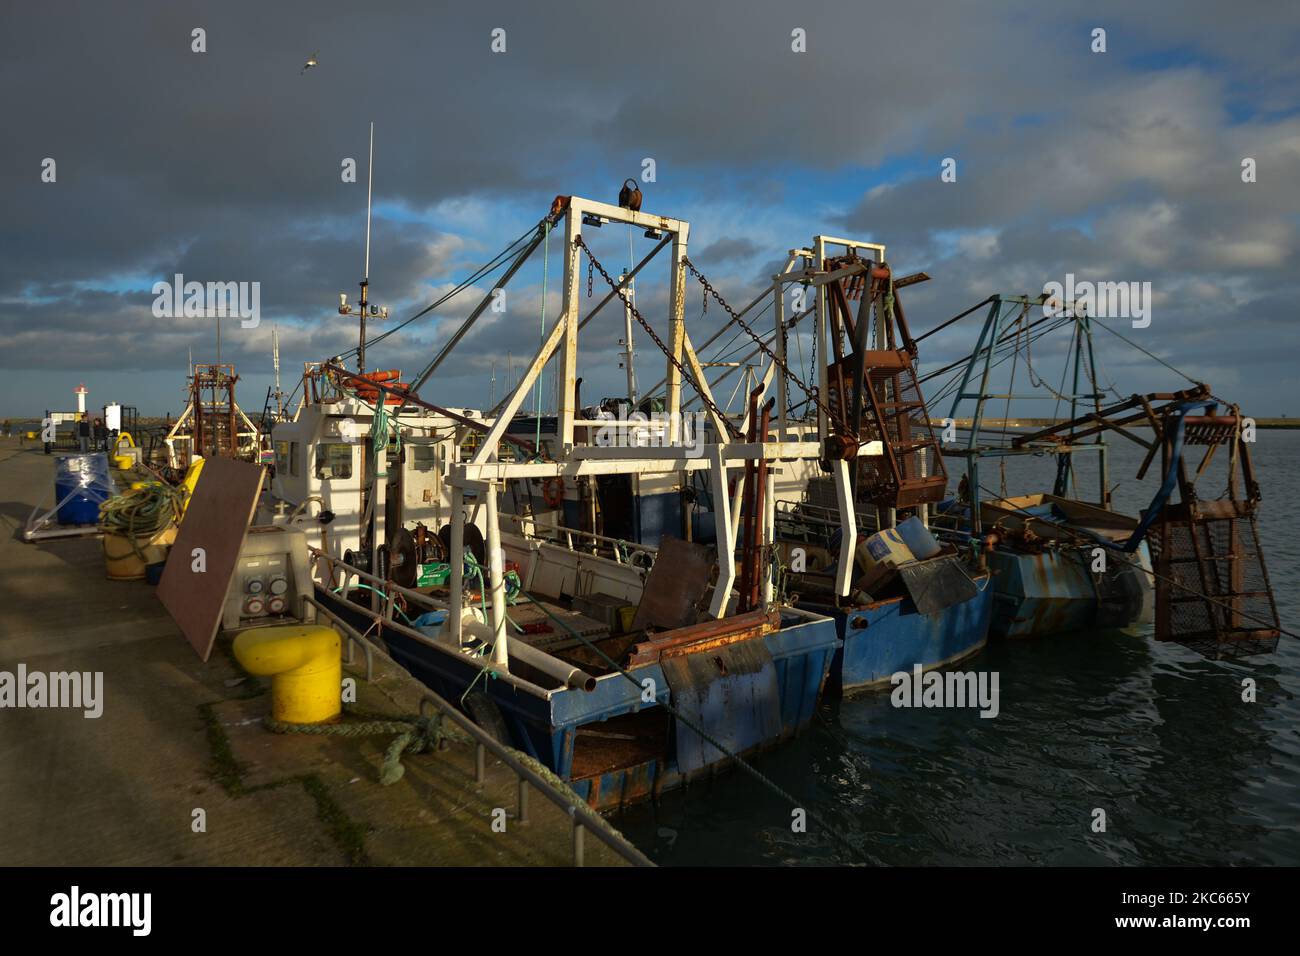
x,y
271,582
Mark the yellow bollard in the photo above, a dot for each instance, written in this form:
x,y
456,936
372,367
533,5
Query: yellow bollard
x,y
120,461
304,662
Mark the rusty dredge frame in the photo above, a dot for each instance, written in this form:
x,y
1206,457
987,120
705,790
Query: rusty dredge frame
x,y
1212,588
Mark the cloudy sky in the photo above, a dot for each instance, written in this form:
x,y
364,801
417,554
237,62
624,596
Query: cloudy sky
x,y
225,165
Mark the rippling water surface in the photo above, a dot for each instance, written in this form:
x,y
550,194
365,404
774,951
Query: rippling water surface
x,y
1154,734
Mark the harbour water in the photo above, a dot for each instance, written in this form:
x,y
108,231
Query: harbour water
x,y
1153,734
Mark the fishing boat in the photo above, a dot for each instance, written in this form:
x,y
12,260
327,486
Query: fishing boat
x,y
1040,547
875,444
1061,563
1042,552
914,602
624,678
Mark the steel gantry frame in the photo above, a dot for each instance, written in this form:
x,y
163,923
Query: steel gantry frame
x,y
484,475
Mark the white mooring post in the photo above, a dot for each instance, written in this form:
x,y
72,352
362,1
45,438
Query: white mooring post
x,y
457,558
848,529
496,574
726,536
769,536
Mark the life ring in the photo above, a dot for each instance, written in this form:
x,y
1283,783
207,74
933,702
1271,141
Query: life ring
x,y
553,491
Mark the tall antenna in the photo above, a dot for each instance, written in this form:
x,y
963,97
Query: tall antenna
x,y
492,386
363,308
370,186
275,361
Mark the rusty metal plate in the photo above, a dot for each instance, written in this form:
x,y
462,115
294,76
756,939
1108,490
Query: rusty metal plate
x,y
216,520
675,586
729,692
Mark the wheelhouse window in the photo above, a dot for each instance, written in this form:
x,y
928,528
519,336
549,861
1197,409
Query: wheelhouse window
x,y
423,457
334,460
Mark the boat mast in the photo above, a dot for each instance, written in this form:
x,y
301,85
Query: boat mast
x,y
365,278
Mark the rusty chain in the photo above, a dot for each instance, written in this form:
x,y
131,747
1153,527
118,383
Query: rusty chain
x,y
809,390
593,261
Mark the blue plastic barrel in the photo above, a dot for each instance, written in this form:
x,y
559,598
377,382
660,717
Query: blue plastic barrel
x,y
918,538
84,481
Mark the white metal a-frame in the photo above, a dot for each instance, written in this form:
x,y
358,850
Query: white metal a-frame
x,y
485,475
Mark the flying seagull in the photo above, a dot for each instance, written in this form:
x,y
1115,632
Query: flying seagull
x,y
311,61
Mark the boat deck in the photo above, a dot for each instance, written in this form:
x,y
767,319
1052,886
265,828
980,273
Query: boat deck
x,y
177,736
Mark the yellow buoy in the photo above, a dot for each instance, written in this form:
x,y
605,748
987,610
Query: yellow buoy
x,y
305,664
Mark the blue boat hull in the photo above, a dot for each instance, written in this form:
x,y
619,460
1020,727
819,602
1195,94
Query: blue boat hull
x,y
886,637
546,727
1056,591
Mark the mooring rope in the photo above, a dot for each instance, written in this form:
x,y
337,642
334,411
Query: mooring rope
x,y
141,513
413,734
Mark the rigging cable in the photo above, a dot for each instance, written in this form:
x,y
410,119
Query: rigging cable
x,y
481,273
1151,355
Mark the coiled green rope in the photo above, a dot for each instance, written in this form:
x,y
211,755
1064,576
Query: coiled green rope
x,y
141,513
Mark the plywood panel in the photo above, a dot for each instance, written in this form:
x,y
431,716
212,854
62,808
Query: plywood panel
x,y
216,520
675,586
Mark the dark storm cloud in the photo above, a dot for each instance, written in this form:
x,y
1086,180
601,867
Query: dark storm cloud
x,y
728,249
225,165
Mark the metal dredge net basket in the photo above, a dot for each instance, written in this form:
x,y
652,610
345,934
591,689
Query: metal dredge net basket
x,y
1218,597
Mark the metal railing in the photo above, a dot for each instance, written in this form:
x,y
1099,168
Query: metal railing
x,y
584,818
539,529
